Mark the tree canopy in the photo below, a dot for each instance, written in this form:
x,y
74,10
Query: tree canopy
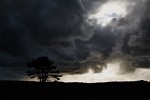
x,y
43,67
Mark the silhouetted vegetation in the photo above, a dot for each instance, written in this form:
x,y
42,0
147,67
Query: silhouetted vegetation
x,y
42,68
63,91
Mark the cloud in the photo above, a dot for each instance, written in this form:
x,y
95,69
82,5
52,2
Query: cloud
x,y
138,42
32,28
62,30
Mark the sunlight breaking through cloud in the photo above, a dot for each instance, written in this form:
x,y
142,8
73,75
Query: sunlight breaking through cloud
x,y
109,74
110,10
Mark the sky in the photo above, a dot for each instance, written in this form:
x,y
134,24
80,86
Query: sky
x,y
89,40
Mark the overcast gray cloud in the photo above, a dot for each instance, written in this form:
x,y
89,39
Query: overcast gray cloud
x,y
62,30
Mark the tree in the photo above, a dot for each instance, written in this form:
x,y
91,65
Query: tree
x,y
43,67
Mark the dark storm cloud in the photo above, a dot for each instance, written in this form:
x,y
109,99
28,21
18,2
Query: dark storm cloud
x,y
15,73
132,47
30,28
95,52
138,43
26,24
125,39
61,30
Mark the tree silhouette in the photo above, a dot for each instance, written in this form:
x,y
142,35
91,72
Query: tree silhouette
x,y
43,67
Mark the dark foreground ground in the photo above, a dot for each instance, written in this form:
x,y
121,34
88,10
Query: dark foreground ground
x,y
139,90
